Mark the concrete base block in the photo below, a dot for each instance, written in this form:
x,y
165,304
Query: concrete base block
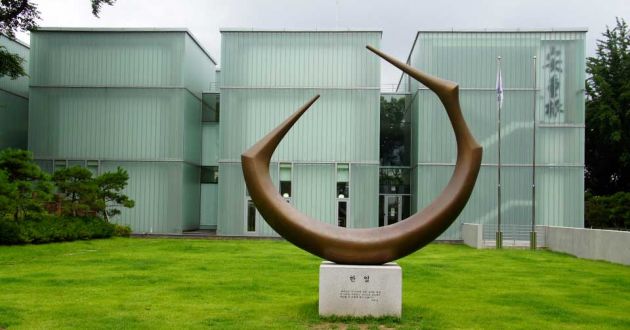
x,y
356,290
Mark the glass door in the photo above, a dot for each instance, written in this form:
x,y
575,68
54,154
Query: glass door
x,y
392,205
251,217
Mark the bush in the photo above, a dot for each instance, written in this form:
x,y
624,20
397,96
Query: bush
x,y
10,232
122,231
608,212
55,229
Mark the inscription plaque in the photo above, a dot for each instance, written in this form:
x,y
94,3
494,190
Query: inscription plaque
x,y
357,290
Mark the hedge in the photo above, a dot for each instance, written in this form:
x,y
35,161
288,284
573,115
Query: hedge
x,y
57,229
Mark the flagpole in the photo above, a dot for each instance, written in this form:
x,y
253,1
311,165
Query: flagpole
x,y
532,235
499,234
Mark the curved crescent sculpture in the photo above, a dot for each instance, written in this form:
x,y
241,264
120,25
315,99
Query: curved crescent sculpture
x,y
368,246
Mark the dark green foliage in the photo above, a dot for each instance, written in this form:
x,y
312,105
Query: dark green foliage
x,y
8,194
79,191
11,64
48,229
25,191
84,195
22,15
608,113
110,186
29,185
10,232
17,15
608,212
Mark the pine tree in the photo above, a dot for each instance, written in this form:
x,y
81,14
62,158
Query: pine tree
x,y
110,187
32,184
79,191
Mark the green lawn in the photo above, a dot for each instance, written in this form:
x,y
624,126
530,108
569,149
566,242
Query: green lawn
x,y
176,283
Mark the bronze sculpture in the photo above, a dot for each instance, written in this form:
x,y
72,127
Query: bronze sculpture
x,y
369,246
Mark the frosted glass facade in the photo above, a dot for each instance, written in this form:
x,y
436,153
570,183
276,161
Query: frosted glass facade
x,y
551,86
266,76
128,98
152,101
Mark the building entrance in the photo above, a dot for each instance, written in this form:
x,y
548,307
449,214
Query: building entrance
x,y
392,209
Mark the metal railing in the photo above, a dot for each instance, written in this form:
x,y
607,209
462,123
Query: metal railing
x,y
514,235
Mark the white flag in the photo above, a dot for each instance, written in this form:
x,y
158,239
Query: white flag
x,y
499,86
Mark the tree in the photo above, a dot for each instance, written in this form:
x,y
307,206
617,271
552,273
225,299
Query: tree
x,y
83,194
110,186
79,191
608,113
22,15
33,188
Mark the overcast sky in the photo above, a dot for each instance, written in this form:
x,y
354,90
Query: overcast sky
x,y
398,19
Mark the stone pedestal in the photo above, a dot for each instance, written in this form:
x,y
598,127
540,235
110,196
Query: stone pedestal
x,y
355,290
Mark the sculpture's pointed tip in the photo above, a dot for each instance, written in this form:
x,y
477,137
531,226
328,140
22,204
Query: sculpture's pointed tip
x,y
311,101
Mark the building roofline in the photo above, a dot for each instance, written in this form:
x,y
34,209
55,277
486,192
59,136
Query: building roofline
x,y
491,30
499,30
246,29
150,30
17,41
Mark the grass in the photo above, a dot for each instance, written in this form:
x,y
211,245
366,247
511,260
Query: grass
x,y
177,284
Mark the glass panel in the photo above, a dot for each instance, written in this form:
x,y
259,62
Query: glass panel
x,y
45,165
59,164
341,213
381,211
343,173
406,207
92,165
394,181
285,172
209,174
72,163
210,103
395,137
285,189
251,216
393,209
343,190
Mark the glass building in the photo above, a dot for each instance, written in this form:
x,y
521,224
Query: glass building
x,y
543,102
152,101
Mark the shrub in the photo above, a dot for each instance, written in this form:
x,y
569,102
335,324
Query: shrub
x,y
122,231
608,212
47,229
10,232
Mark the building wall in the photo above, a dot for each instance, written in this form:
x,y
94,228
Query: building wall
x,y
130,99
266,76
469,59
14,101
